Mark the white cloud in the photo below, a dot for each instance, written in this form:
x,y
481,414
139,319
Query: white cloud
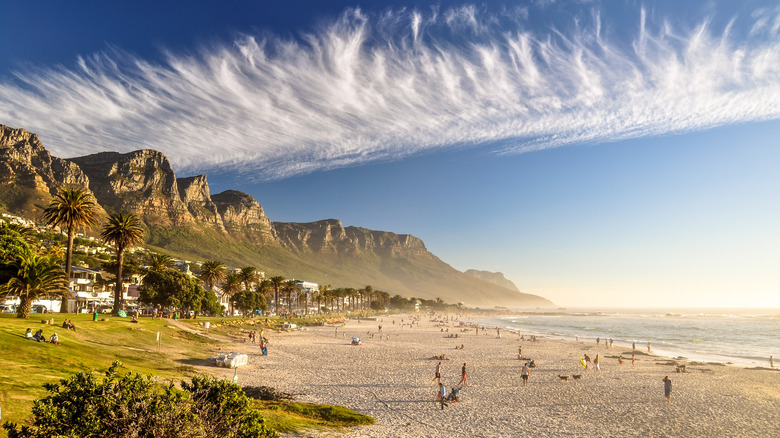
x,y
373,88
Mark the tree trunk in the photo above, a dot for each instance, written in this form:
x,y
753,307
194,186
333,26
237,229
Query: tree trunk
x,y
68,263
24,309
120,258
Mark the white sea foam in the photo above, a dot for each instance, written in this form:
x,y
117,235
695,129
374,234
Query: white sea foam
x,y
743,337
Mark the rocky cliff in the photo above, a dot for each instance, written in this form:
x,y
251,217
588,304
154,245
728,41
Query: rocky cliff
x,y
29,175
195,194
395,262
331,237
184,218
496,278
141,181
242,215
25,162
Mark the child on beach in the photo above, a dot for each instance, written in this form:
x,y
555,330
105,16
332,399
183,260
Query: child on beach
x,y
524,374
667,389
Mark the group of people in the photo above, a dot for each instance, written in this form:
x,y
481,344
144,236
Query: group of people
x,y
463,375
441,395
68,324
253,338
608,342
40,337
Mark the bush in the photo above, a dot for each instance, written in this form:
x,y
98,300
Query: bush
x,y
132,405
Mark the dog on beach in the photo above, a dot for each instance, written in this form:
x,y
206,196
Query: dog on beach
x,y
577,376
564,378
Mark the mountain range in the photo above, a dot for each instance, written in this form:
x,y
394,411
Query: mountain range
x,y
185,220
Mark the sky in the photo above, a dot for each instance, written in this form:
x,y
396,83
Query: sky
x,y
599,154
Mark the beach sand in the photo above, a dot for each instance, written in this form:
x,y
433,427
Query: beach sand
x,y
389,379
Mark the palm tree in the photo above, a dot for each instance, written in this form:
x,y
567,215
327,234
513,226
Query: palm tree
x,y
264,287
231,287
290,286
248,276
277,282
350,295
34,277
212,272
158,262
384,297
322,294
70,209
123,230
369,293
341,294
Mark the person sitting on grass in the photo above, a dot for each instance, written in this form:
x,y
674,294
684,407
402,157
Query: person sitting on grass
x,y
54,339
38,336
28,334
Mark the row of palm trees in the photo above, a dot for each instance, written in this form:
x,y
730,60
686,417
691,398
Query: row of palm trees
x,y
247,278
34,276
213,272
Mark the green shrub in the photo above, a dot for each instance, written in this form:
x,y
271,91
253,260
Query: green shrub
x,y
132,405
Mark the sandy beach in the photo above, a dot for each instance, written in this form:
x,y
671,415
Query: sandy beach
x,y
390,380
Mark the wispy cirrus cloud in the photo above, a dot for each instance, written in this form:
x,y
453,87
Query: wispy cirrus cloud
x,y
404,82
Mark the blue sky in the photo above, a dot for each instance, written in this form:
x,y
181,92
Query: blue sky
x,y
596,153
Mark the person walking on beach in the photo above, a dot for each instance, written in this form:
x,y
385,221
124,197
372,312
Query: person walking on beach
x,y
587,361
648,347
442,395
633,345
633,360
596,363
771,362
667,389
438,374
463,375
524,374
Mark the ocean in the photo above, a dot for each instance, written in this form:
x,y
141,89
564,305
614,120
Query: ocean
x,y
745,337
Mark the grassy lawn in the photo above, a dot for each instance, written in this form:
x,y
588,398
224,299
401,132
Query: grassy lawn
x,y
286,416
26,365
